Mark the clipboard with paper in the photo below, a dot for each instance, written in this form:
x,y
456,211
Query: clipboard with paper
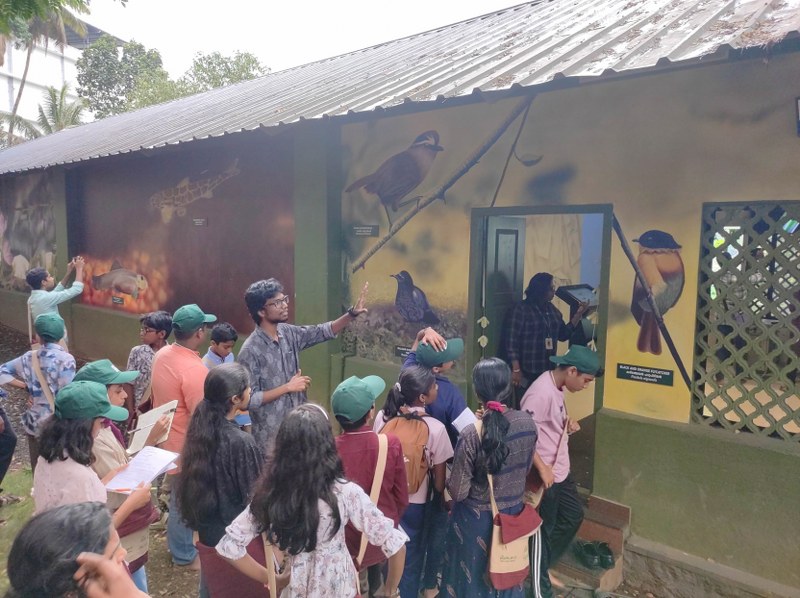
x,y
146,466
146,421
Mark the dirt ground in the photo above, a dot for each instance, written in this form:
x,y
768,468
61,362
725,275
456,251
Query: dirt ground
x,y
164,578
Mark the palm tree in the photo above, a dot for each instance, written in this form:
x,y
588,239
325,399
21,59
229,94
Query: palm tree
x,y
41,31
58,112
26,129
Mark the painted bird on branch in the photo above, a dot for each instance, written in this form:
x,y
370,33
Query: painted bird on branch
x,y
660,262
411,301
402,173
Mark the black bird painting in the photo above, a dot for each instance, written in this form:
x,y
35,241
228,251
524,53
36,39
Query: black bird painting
x,y
411,301
402,173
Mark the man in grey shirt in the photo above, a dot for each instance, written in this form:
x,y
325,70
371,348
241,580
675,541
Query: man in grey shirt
x,y
271,355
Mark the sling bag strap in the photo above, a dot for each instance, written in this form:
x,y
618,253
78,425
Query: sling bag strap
x,y
30,323
269,563
375,492
37,369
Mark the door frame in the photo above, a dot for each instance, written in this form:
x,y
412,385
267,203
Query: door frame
x,y
477,258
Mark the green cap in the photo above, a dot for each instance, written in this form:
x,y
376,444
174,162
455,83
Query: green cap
x,y
104,372
429,357
49,327
355,396
190,318
581,357
86,400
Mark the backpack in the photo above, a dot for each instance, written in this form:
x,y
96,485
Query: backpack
x,y
413,433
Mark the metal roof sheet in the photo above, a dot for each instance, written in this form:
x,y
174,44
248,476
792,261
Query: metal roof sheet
x,y
526,45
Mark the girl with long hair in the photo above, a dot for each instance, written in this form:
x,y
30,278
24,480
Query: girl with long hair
x,y
302,502
48,555
220,465
416,388
503,450
63,474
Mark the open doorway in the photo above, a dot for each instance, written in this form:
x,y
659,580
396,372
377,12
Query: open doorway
x,y
509,246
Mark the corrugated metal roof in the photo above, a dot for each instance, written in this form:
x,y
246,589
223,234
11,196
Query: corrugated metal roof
x,y
524,45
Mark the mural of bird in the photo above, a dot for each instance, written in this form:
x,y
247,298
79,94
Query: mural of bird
x,y
402,173
660,262
411,301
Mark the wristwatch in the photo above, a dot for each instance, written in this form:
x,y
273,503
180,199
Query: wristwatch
x,y
351,312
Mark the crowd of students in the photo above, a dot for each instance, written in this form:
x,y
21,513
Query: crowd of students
x,y
397,504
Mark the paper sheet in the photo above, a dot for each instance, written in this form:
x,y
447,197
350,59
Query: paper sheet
x,y
144,467
464,419
145,424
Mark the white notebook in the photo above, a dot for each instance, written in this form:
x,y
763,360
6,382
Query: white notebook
x,y
146,466
146,422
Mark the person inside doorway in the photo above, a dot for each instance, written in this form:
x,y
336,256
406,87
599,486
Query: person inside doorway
x,y
535,328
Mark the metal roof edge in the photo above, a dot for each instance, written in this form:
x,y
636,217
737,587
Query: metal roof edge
x,y
790,43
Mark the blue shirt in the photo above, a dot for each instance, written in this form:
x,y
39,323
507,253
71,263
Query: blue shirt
x,y
46,302
211,359
58,369
449,403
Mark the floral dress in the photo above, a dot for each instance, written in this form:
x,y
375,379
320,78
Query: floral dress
x,y
328,571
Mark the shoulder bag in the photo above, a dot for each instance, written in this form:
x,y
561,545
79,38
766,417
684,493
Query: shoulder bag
x,y
509,562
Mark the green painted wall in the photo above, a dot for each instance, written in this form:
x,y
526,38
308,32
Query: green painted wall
x,y
732,498
316,251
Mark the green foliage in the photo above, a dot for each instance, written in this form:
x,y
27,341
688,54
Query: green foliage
x,y
107,78
22,130
113,83
15,515
25,10
58,112
209,71
156,88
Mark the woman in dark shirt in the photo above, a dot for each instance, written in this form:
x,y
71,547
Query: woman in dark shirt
x,y
220,463
506,452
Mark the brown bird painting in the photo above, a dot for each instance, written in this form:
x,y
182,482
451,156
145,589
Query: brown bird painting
x,y
402,173
660,262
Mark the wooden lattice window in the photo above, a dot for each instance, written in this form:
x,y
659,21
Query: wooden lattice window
x,y
747,352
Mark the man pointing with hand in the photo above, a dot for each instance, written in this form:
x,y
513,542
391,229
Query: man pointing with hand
x,y
271,355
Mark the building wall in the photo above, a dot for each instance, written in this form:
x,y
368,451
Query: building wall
x,y
49,67
657,148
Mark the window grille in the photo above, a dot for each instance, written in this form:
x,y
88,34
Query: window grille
x,y
747,352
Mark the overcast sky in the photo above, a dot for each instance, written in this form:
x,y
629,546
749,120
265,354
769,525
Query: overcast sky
x,y
280,34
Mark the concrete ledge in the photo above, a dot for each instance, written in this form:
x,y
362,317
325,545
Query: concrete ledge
x,y
676,574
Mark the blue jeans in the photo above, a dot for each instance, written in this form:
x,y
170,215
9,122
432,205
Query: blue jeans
x,y
412,524
139,578
179,536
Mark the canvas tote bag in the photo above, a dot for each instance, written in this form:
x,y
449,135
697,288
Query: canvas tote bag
x,y
509,558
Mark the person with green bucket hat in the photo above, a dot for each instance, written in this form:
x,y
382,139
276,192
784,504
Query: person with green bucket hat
x,y
56,368
110,455
63,474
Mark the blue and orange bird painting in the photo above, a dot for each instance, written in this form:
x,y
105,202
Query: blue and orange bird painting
x,y
660,262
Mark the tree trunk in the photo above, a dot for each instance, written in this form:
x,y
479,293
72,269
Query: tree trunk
x,y
19,94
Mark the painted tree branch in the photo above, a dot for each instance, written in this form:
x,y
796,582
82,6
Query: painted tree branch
x,y
439,192
652,302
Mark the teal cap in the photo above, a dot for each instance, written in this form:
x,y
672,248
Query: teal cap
x,y
86,400
582,358
190,318
429,357
49,327
104,372
354,397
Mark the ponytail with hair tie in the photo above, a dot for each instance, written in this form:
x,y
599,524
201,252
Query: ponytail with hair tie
x,y
495,406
